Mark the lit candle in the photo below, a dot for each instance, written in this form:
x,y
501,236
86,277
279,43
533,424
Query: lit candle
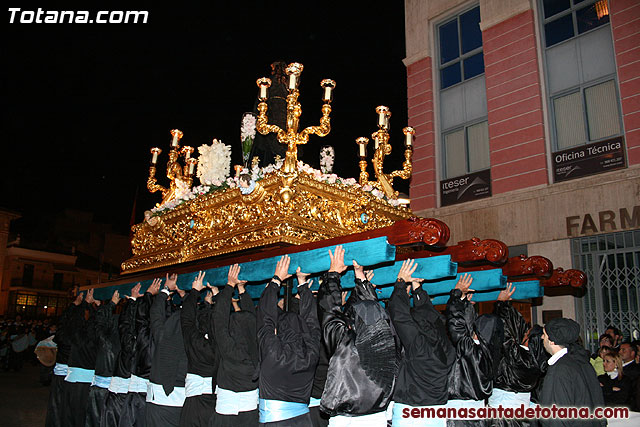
x,y
362,146
192,165
264,84
238,169
187,152
293,71
383,119
155,151
177,134
328,86
408,136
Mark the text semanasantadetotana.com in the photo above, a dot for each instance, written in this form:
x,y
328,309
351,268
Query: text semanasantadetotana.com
x,y
533,412
17,15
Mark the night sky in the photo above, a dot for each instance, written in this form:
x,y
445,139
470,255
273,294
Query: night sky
x,y
85,103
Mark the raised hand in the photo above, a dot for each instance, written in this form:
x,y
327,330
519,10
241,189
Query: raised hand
x,y
135,292
337,260
369,275
171,282
154,288
358,271
407,269
214,289
302,277
505,294
282,268
197,282
344,297
464,282
79,298
232,278
89,298
208,298
115,298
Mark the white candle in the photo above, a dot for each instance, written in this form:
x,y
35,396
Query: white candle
x,y
408,136
362,146
154,155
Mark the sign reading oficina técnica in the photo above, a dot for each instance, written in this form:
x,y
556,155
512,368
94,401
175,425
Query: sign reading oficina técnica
x,y
589,159
465,188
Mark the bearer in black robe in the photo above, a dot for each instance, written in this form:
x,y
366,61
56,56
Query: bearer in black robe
x,y
428,353
570,379
288,346
60,370
519,372
107,349
202,360
166,391
364,357
235,332
119,384
133,410
478,346
82,361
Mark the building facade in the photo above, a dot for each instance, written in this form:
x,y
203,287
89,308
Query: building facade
x,y
527,118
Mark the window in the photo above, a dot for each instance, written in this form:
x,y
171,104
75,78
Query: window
x,y
57,280
467,150
27,275
564,19
460,42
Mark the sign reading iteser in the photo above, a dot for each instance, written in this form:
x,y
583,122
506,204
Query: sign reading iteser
x,y
465,188
589,159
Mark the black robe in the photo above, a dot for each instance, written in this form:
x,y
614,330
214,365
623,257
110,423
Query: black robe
x,y
237,345
571,381
83,355
428,353
114,402
289,349
616,397
63,340
134,406
169,362
202,360
108,347
364,357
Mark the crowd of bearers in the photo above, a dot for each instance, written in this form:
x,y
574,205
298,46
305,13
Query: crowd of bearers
x,y
208,357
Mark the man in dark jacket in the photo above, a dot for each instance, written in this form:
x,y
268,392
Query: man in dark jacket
x,y
288,345
361,341
428,353
570,380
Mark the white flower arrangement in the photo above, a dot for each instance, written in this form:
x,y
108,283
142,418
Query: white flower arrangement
x,y
327,157
248,128
214,163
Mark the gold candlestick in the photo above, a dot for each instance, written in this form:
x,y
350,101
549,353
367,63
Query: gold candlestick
x,y
384,181
291,136
175,171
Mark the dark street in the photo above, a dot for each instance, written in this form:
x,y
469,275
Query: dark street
x,y
23,400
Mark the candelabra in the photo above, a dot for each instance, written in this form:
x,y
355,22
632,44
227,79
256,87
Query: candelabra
x,y
181,177
291,136
382,147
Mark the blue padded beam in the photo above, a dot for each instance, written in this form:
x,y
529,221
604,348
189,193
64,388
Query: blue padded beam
x,y
365,252
524,290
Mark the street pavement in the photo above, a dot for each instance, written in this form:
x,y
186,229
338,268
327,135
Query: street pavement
x,y
23,400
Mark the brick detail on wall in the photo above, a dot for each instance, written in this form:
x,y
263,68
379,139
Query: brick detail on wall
x,y
625,25
514,101
420,104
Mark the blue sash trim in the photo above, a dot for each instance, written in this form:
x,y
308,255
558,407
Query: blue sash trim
x,y
399,420
509,399
314,402
138,384
61,369
278,410
233,402
119,385
79,375
102,382
155,394
195,385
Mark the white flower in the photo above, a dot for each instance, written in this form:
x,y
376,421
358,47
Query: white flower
x,y
248,128
214,162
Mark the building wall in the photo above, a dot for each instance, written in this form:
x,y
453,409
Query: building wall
x,y
526,206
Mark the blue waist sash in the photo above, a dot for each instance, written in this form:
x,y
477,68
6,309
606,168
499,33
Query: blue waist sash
x,y
195,385
119,385
138,384
233,402
79,375
509,399
278,410
155,394
102,382
399,420
61,369
313,402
